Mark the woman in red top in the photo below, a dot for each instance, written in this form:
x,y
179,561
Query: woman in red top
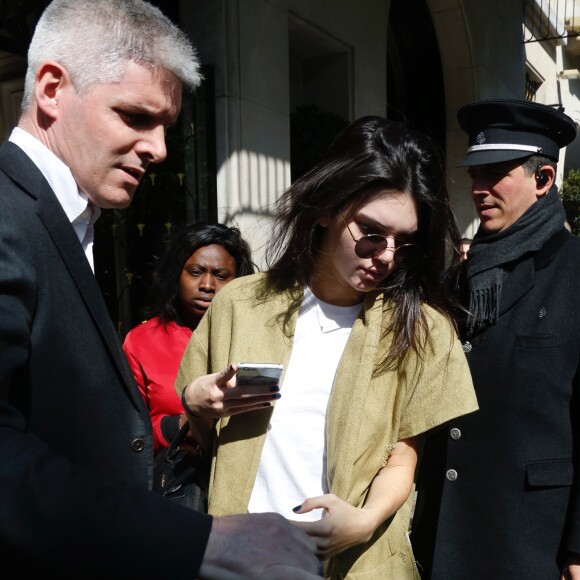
x,y
199,260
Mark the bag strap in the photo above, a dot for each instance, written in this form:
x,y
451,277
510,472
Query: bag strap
x,y
181,436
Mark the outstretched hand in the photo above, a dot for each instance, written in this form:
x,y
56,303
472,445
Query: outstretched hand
x,y
341,527
571,569
217,395
258,546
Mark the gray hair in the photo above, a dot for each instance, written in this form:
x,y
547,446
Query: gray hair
x,y
95,39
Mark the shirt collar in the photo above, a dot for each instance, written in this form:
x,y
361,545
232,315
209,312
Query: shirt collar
x,y
59,176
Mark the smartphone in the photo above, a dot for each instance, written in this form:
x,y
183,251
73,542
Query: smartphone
x,y
266,374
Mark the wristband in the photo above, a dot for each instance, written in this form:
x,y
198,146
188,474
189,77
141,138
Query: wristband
x,y
186,409
194,422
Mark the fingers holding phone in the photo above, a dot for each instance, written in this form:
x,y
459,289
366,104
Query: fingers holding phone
x,y
255,386
258,378
257,383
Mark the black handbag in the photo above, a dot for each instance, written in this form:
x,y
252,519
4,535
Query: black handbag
x,y
178,473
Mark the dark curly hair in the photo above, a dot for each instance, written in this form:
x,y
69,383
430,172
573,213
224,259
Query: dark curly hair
x,y
369,156
164,291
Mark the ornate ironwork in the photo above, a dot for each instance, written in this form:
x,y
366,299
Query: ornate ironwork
x,y
551,20
532,87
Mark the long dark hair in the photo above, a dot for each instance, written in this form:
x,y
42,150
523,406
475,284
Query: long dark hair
x,y
164,291
372,155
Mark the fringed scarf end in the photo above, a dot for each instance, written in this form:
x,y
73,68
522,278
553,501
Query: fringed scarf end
x,y
483,307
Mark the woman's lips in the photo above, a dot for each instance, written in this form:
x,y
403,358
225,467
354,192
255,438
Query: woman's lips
x,y
201,303
373,275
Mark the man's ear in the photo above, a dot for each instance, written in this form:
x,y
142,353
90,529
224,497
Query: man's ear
x,y
545,176
51,78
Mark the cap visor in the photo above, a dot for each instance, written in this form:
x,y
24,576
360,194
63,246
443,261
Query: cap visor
x,y
491,156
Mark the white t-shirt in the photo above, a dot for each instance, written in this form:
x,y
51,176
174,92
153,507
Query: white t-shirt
x,y
293,462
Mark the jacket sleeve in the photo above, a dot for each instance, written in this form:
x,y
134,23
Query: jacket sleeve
x,y
440,387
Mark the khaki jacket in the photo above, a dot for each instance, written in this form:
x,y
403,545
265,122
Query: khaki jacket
x,y
366,414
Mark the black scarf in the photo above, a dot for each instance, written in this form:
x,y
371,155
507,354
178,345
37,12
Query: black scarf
x,y
485,270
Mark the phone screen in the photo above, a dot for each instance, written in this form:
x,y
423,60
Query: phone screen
x,y
267,374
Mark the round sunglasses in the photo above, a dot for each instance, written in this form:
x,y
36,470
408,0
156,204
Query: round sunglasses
x,y
406,256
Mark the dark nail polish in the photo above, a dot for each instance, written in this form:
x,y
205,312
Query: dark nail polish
x,y
297,508
275,388
266,405
276,396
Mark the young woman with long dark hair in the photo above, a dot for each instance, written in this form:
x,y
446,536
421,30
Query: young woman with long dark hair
x,y
354,307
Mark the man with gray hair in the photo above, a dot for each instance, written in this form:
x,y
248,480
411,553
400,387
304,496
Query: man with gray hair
x,y
104,81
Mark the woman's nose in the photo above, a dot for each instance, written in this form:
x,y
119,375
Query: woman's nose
x,y
388,254
207,281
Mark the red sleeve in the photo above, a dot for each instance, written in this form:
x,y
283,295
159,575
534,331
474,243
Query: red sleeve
x,y
154,351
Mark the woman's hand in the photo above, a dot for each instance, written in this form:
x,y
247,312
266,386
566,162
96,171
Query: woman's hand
x,y
341,527
216,395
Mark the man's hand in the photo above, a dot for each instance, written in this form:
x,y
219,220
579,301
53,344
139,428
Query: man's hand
x,y
258,546
571,569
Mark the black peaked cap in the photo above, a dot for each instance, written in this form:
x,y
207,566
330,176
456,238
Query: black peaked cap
x,y
502,130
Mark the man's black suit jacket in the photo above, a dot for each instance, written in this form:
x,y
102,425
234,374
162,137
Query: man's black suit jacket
x,y
76,446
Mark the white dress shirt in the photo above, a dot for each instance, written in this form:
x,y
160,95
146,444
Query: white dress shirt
x,y
80,212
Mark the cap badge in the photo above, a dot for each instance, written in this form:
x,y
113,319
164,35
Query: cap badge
x,y
480,138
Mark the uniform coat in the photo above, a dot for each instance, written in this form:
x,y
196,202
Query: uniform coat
x,y
505,479
76,447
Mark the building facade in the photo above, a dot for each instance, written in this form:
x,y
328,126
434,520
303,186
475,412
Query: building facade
x,y
357,58
283,76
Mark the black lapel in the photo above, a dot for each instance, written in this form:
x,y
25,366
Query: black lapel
x,y
18,166
523,277
520,281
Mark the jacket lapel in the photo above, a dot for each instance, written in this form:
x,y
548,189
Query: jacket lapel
x,y
15,163
241,437
522,277
517,284
345,415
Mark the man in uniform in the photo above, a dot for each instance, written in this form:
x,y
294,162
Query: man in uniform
x,y
499,489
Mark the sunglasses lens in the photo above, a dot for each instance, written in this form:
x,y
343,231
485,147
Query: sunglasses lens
x,y
370,246
408,257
